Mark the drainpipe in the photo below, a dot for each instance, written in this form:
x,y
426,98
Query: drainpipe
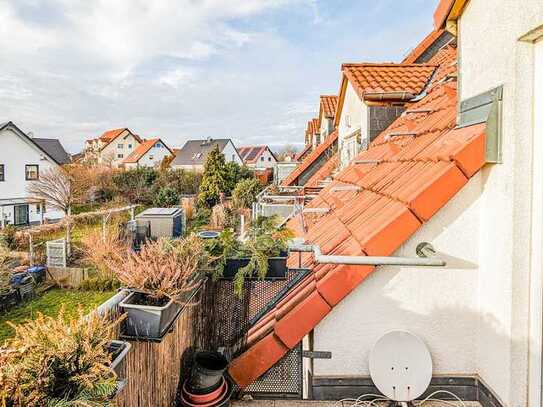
x,y
425,251
391,96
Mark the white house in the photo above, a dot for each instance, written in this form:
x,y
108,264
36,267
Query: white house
x,y
327,114
460,169
112,147
21,161
149,153
257,157
194,153
372,96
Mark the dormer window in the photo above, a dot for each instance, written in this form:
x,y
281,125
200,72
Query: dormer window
x,y
196,156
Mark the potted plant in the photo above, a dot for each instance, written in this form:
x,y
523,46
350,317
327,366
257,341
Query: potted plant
x,y
262,255
163,276
56,362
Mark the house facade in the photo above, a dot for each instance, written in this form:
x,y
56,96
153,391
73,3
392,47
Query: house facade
x,y
257,157
112,147
371,97
327,114
193,154
22,159
460,168
150,153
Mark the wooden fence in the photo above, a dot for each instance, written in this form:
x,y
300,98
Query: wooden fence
x,y
70,277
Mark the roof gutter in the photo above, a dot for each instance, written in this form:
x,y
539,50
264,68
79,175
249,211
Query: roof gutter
x,y
389,96
425,258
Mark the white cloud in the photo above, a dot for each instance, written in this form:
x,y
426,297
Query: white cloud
x,y
172,68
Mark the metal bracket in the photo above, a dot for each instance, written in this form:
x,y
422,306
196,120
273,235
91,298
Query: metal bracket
x,y
486,107
315,354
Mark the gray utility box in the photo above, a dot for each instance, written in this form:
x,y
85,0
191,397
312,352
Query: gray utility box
x,y
163,222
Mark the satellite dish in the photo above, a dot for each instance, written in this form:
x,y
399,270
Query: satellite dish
x,y
401,366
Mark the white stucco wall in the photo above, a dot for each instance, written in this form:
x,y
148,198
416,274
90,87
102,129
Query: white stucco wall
x,y
357,111
266,160
152,158
327,126
504,274
437,304
231,154
15,153
110,152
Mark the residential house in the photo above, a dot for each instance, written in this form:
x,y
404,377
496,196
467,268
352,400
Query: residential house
x,y
312,135
257,157
22,159
112,147
327,114
149,153
459,169
194,153
373,95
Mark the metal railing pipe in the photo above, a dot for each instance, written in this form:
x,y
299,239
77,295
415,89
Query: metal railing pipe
x,y
371,260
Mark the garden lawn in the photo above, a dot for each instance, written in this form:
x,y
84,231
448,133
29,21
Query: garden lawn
x,y
50,304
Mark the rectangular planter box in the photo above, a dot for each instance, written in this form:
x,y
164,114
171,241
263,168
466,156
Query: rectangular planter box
x,y
277,268
147,321
118,351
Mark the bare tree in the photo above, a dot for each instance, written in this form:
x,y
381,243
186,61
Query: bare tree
x,y
54,187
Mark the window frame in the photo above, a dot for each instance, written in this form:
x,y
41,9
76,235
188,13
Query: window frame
x,y
37,172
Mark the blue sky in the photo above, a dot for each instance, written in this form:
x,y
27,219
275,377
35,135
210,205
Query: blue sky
x,y
250,70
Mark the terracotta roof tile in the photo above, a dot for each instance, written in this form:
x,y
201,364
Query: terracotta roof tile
x,y
423,46
302,154
311,158
324,172
250,154
387,78
109,135
328,106
140,151
385,203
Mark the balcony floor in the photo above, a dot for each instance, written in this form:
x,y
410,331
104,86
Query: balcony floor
x,y
309,403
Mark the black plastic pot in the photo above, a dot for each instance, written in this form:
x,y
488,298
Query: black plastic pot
x,y
207,372
277,268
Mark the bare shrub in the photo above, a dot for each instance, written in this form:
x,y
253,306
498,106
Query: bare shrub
x,y
162,269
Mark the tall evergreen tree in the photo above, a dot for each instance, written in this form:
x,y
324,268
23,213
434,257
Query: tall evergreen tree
x,y
214,180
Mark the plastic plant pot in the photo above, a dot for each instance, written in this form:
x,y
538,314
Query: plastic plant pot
x,y
277,267
118,351
222,401
207,372
148,321
204,398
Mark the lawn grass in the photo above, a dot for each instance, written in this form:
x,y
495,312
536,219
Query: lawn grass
x,y
50,304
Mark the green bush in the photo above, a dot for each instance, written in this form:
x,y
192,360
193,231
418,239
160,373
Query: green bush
x,y
234,174
201,218
182,181
166,197
136,185
245,193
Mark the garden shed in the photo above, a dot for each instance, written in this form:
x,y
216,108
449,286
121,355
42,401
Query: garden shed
x,y
162,222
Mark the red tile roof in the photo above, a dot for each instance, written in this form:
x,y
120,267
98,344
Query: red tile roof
x,y
140,151
324,172
388,78
423,46
302,154
328,106
411,179
110,135
250,154
310,159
